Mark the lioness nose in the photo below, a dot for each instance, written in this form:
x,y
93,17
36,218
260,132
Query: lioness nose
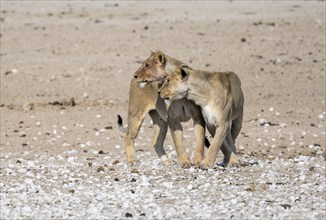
x,y
159,92
135,76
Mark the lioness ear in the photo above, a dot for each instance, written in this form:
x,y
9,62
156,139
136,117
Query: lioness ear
x,y
184,74
160,57
151,53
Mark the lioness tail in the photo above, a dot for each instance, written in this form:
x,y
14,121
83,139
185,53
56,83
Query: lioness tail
x,y
207,144
120,123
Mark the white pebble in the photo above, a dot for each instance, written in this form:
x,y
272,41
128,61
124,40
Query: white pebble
x,y
262,121
30,163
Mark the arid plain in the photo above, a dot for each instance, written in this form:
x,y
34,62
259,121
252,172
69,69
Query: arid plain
x,y
65,73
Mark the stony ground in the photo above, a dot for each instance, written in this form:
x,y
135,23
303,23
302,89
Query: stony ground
x,y
65,73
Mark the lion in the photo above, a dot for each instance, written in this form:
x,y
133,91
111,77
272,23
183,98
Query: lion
x,y
220,98
144,99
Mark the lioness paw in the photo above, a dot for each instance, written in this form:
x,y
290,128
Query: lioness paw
x,y
198,159
205,165
185,164
166,161
234,161
133,161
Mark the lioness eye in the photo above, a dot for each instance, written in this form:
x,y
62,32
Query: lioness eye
x,y
146,65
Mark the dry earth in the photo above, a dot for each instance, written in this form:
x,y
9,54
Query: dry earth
x,y
65,73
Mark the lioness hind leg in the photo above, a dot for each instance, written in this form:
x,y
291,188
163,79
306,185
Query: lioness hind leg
x,y
215,146
230,158
160,129
134,123
227,151
236,126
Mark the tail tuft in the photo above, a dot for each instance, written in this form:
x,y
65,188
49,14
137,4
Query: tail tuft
x,y
119,120
207,144
120,123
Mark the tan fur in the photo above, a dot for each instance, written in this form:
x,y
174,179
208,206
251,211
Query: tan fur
x,y
221,100
155,68
147,100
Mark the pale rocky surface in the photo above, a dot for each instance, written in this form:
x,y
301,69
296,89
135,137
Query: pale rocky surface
x,y
65,73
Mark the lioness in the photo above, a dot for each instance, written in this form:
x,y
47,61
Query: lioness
x,y
144,98
156,68
221,100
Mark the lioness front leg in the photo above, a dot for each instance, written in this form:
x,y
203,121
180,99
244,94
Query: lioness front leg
x,y
160,129
176,133
199,129
217,141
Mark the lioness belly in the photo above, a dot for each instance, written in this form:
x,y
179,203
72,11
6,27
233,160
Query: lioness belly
x,y
179,110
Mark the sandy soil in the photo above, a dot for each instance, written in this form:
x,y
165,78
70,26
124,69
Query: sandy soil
x,y
65,74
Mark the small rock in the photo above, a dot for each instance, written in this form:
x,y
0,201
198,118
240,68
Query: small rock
x,y
12,71
283,125
117,146
286,206
28,106
134,170
262,121
115,162
99,169
128,215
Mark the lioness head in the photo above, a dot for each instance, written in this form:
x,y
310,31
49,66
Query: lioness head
x,y
175,85
152,69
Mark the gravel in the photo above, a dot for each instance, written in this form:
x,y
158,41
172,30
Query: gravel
x,y
67,186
